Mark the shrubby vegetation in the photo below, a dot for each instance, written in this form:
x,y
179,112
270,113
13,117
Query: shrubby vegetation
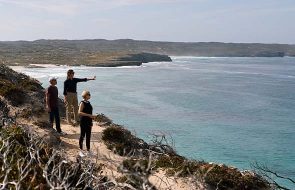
x,y
21,91
150,158
29,163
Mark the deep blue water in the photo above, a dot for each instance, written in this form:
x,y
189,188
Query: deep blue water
x,y
226,110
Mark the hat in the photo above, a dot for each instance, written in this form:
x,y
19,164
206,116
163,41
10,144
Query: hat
x,y
52,78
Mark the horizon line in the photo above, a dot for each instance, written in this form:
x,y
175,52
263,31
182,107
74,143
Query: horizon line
x,y
164,41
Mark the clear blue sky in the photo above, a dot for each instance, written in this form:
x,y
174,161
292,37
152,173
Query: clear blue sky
x,y
262,21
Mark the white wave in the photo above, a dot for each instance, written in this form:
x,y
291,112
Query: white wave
x,y
17,68
126,67
36,75
156,63
196,57
182,57
44,65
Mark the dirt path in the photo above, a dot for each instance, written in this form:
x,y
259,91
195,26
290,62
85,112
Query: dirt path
x,y
101,154
110,161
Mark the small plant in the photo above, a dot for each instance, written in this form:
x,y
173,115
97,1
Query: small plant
x,y
223,177
103,119
11,92
122,141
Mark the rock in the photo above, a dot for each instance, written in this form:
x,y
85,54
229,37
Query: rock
x,y
145,58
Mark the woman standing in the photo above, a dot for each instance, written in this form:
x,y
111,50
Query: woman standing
x,y
86,117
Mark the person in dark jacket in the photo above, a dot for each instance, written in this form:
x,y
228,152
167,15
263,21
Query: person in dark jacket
x,y
86,117
51,98
70,95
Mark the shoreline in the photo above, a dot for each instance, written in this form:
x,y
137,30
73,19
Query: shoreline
x,y
122,64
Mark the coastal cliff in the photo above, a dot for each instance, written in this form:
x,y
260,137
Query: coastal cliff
x,y
75,53
34,156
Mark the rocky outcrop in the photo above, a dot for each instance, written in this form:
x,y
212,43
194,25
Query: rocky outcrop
x,y
145,58
135,60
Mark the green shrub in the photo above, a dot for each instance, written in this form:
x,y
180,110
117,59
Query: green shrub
x,y
225,178
122,141
15,87
101,118
11,92
29,85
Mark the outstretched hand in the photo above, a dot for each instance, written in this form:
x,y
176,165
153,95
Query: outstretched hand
x,y
93,78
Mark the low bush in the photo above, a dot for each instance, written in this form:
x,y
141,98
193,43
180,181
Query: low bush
x,y
122,141
101,118
225,178
13,93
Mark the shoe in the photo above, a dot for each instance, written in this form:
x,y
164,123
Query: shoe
x,y
62,133
81,154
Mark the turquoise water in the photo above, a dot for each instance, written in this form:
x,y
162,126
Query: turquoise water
x,y
226,110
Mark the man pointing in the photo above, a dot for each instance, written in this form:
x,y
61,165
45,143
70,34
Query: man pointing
x,y
70,94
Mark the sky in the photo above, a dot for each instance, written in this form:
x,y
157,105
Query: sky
x,y
237,21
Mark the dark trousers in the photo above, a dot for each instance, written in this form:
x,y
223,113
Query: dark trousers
x,y
54,115
85,130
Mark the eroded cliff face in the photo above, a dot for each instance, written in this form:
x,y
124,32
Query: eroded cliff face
x,y
24,96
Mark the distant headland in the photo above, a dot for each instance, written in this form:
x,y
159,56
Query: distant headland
x,y
126,52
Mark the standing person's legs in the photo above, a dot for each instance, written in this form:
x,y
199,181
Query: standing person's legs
x,y
82,135
88,137
69,108
51,118
75,105
57,120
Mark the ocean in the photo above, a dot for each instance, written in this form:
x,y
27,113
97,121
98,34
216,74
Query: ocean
x,y
235,111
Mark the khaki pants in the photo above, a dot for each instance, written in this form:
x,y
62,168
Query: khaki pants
x,y
72,106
